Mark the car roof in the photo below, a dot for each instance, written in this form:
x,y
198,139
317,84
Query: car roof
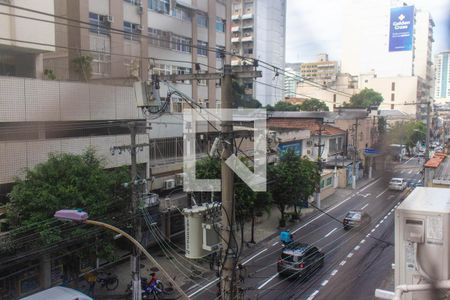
x,y
396,178
58,292
296,248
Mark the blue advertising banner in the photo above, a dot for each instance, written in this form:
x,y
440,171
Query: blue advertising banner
x,y
297,147
401,29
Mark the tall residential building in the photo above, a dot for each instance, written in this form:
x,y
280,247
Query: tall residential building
x,y
322,71
259,31
390,39
142,38
442,79
17,57
290,82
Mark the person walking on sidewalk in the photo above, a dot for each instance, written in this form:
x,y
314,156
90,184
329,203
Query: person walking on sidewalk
x,y
91,278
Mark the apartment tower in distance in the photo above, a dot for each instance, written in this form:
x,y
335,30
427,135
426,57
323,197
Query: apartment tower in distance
x,y
259,31
322,71
142,37
442,79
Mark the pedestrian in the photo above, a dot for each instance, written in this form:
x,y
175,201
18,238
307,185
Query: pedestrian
x,y
242,273
91,278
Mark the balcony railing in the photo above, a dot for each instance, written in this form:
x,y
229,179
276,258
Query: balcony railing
x,y
247,16
247,38
235,28
235,39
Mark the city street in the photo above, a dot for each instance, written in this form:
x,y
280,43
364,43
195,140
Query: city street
x,y
356,261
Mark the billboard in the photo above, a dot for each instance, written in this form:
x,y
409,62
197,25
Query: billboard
x,y
295,146
401,29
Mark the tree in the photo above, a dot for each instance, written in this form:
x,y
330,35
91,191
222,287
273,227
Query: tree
x,y
382,126
66,181
313,104
283,106
365,99
240,99
407,133
293,180
82,65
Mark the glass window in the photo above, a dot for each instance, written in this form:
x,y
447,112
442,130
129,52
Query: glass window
x,y
134,2
132,30
220,52
161,6
329,181
98,24
322,183
202,21
181,13
220,24
159,38
101,56
181,43
202,48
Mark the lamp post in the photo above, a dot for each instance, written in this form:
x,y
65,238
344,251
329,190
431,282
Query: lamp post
x,y
79,216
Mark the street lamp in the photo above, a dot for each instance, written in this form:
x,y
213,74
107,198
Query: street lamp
x,y
79,216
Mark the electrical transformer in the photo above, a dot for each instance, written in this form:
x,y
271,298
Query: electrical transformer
x,y
422,241
202,226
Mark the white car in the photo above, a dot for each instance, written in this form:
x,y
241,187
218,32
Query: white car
x,y
397,184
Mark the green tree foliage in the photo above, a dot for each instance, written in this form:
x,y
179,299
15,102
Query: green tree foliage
x,y
407,133
382,126
283,106
365,99
66,181
313,104
83,66
293,181
240,99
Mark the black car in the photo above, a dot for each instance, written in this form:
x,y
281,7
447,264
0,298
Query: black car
x,y
355,218
299,260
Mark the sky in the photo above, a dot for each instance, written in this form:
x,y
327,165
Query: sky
x,y
315,26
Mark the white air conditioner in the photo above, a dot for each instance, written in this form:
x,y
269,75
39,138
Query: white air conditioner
x,y
179,179
169,184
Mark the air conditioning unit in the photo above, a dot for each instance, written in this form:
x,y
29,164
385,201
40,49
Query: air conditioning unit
x,y
140,9
107,19
169,184
179,179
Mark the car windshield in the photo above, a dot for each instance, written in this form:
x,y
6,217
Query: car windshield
x,y
396,181
353,215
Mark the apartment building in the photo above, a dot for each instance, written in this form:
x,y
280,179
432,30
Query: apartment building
x,y
22,40
131,38
442,77
259,31
322,71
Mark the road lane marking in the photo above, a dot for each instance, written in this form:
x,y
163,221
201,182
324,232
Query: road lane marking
x,y
356,248
324,283
363,241
329,233
419,181
192,287
342,263
378,225
350,255
313,295
379,195
385,217
254,256
391,196
373,229
364,206
334,272
410,171
267,281
407,161
274,244
202,288
381,222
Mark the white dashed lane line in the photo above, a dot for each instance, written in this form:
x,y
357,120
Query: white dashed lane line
x,y
364,206
313,295
329,233
357,248
334,272
324,283
254,256
342,263
267,281
350,255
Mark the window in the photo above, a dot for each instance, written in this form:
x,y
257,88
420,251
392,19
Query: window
x,y
392,97
202,21
393,86
181,43
202,48
162,69
220,24
101,57
159,38
181,13
132,29
98,24
333,146
334,97
220,52
322,184
329,181
248,50
161,6
134,2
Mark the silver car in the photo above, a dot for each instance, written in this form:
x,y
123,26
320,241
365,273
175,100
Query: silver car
x,y
397,184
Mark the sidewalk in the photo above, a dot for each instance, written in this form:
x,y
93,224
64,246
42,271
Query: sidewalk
x,y
187,272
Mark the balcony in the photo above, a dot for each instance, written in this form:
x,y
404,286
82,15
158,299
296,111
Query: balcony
x,y
247,16
247,26
247,38
235,62
235,28
235,39
235,17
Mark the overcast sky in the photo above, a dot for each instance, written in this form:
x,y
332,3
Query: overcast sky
x,y
315,26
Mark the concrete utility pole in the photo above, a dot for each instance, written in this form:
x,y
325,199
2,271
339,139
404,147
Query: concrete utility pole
x,y
228,279
427,139
355,150
319,165
135,258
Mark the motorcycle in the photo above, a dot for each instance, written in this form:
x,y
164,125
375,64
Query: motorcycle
x,y
147,291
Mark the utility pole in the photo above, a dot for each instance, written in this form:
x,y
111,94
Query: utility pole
x,y
427,139
355,150
319,165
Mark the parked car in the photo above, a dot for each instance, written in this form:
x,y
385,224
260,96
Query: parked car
x,y
60,293
397,184
355,218
299,260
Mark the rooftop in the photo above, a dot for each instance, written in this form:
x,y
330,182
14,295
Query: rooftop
x,y
435,161
312,125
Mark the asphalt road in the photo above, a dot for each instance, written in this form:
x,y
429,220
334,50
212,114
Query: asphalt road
x,y
356,261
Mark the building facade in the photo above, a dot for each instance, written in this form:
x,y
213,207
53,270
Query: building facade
x,y
442,77
322,71
23,41
259,31
132,38
290,83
